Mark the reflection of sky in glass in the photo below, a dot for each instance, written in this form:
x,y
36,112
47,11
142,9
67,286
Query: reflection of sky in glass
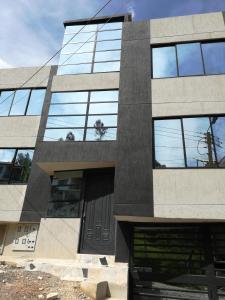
x,y
168,144
107,67
164,62
108,45
103,108
5,106
36,102
109,35
68,121
79,38
60,134
74,69
189,59
110,135
214,57
76,58
7,155
218,125
69,97
78,48
110,26
110,120
20,102
68,109
195,141
76,28
107,56
104,96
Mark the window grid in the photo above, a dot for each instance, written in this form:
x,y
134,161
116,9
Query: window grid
x,y
85,128
204,73
8,112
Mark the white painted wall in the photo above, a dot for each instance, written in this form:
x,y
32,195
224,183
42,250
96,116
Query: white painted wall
x,y
196,193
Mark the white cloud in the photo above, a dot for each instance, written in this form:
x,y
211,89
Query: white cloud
x,y
4,64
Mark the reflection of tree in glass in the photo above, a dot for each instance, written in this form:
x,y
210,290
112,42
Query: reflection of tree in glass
x,y
100,129
70,136
24,161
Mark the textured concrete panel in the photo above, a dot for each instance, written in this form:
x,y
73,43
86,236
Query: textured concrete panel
x,y
58,238
189,193
15,77
188,95
11,202
83,82
175,29
19,131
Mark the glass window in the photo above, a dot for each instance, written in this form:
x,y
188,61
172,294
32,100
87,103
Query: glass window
x,y
78,48
189,59
104,96
198,142
109,35
20,102
76,58
103,108
109,120
101,133
36,102
68,121
83,28
69,97
164,62
6,102
169,152
218,127
68,109
107,67
70,134
74,69
7,155
22,165
214,57
110,26
108,45
81,37
107,56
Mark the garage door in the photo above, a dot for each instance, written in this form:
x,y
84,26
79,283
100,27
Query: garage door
x,y
178,262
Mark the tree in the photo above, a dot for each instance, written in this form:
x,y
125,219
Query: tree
x,y
100,129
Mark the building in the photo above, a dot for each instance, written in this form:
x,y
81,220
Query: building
x,y
118,154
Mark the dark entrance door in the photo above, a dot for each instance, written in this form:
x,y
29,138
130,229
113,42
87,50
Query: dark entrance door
x,y
98,222
178,262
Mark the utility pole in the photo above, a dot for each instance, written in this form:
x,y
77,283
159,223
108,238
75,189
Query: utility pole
x,y
209,145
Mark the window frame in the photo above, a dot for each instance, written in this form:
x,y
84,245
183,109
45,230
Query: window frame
x,y
174,44
12,165
181,117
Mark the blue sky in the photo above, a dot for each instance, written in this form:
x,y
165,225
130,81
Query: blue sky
x,y
32,30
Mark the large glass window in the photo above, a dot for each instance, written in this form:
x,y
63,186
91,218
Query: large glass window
x,y
15,165
189,59
65,195
96,48
194,142
82,116
21,102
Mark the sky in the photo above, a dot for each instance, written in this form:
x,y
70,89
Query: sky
x,y
32,30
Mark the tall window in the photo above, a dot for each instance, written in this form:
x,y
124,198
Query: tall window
x,y
95,49
15,165
189,59
21,102
197,142
82,116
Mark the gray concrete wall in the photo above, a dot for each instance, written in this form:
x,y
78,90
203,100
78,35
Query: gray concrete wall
x,y
15,77
187,28
190,194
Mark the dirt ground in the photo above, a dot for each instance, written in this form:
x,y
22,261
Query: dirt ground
x,y
18,284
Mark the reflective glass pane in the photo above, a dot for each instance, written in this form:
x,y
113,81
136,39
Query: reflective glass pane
x,y
79,38
107,67
74,69
103,108
36,102
198,142
107,56
103,96
218,126
109,35
101,134
83,28
169,151
189,59
110,120
110,26
76,58
78,48
164,62
22,166
64,134
63,210
69,97
24,157
67,109
108,45
5,102
20,102
5,172
7,155
68,121
214,57
65,193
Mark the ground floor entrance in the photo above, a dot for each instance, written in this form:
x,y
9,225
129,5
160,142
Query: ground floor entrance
x,y
178,262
